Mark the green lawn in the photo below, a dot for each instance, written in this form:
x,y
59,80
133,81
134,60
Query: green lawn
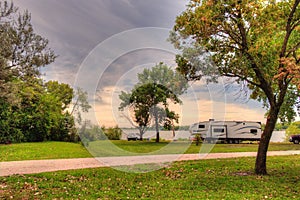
x,y
42,150
206,179
56,150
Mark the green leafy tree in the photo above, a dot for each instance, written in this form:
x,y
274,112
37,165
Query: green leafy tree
x,y
60,96
151,101
170,120
281,126
139,113
151,96
39,116
68,100
62,91
41,113
9,132
22,51
33,121
31,110
254,42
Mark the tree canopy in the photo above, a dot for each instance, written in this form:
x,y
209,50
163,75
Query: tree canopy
x,y
254,42
22,51
150,98
31,109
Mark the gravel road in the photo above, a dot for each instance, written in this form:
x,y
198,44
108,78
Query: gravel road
x,y
38,166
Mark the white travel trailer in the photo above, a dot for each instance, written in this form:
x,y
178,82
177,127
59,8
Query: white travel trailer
x,y
229,131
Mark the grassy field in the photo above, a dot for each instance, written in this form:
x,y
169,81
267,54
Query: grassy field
x,y
124,148
56,150
42,150
209,179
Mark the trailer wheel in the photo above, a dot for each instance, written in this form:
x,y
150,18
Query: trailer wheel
x,y
230,141
210,141
296,141
236,141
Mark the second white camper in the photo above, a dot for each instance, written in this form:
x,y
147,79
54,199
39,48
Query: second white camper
x,y
229,131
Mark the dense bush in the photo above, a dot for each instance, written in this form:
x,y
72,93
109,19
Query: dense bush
x,y
113,133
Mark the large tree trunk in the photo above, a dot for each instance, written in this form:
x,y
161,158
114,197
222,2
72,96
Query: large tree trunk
x,y
261,158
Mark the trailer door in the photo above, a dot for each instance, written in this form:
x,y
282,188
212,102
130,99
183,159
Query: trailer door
x,y
218,131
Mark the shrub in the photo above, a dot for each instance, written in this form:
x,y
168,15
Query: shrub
x,y
198,139
114,133
91,133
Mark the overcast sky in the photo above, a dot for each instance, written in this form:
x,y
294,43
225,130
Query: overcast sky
x,y
75,27
103,44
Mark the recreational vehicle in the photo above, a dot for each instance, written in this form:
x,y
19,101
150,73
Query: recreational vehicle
x,y
229,131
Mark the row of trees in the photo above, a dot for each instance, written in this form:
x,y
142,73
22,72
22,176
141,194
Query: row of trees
x,y
31,109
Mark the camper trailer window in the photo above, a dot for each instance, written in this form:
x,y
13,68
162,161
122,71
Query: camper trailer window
x,y
253,131
219,130
201,126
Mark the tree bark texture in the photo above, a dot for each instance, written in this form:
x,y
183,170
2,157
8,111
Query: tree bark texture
x,y
261,158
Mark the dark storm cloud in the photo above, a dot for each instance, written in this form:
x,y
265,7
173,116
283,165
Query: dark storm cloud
x,y
130,64
148,12
75,27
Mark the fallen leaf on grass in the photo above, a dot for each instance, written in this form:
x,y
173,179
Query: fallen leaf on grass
x,y
243,173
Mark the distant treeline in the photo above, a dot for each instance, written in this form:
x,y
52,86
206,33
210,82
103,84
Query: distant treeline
x,y
176,128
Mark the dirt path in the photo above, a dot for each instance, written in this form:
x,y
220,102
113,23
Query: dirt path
x,y
38,166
